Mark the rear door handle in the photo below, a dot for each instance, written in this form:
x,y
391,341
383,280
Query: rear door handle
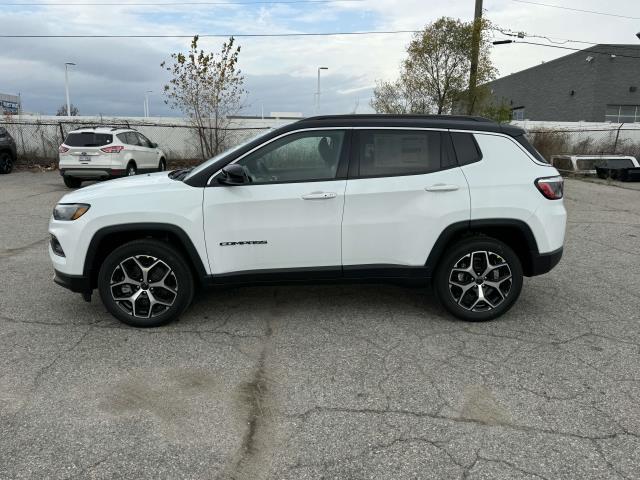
x,y
319,195
442,187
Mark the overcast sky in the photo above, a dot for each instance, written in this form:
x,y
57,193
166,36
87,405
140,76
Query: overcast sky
x,y
112,75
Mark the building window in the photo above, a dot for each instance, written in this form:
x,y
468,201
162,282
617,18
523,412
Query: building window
x,y
622,113
517,113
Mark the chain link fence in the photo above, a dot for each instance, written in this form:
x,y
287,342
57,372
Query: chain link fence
x,y
599,139
37,140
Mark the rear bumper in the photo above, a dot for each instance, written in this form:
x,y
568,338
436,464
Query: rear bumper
x,y
75,283
542,263
92,173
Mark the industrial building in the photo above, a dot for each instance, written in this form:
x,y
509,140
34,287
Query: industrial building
x,y
597,84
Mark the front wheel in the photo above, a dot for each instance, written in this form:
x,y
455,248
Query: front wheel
x,y
162,166
145,283
478,279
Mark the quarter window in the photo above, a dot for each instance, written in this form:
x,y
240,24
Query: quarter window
x,y
398,152
466,148
299,157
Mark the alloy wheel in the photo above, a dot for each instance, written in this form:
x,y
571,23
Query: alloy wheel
x,y
143,286
480,281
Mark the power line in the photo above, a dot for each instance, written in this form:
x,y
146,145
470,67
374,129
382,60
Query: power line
x,y
557,41
585,50
154,4
214,35
577,9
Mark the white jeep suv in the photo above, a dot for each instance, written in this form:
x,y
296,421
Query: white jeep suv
x,y
98,153
462,203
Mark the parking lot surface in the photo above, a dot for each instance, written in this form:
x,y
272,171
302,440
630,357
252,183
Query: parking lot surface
x,y
334,382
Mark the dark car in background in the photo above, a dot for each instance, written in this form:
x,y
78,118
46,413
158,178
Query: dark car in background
x,y
7,151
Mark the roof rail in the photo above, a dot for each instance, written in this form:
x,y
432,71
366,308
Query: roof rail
x,y
112,127
461,118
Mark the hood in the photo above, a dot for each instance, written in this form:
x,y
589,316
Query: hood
x,y
136,184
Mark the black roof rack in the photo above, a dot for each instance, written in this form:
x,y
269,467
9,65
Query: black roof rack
x,y
453,122
389,116
112,127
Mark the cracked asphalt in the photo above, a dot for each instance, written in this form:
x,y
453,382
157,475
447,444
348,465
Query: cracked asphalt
x,y
326,382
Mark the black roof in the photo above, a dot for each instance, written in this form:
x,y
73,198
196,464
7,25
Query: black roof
x,y
457,122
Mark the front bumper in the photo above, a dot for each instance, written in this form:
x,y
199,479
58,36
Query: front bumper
x,y
75,283
542,263
98,173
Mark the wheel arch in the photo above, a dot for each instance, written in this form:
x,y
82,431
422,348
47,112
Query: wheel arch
x,y
514,233
109,238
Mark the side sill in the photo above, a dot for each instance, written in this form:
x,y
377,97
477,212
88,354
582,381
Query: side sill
x,y
324,275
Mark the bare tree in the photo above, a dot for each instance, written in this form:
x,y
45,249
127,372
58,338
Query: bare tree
x,y
208,89
435,74
62,111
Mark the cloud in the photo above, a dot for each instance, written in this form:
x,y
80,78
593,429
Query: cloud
x,y
113,74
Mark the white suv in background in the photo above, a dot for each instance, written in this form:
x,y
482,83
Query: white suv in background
x,y
460,203
98,153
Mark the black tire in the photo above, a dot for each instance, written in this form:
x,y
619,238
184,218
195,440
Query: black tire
x,y
162,166
501,292
6,163
132,169
141,312
72,182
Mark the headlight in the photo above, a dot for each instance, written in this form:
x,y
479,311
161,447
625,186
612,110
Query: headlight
x,y
70,211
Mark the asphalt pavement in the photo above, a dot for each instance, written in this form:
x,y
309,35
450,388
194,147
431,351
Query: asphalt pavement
x,y
331,382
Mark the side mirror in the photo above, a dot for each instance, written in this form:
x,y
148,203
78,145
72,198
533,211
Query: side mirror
x,y
233,174
154,145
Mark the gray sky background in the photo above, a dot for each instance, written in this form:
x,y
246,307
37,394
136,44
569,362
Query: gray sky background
x,y
113,74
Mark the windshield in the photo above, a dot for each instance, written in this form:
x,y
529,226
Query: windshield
x,y
211,161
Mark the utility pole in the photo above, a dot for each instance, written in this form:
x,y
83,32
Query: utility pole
x,y
475,53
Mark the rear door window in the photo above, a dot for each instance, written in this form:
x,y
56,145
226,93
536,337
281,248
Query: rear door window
x,y
385,153
144,141
132,138
88,139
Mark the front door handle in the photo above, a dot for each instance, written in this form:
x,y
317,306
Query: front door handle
x,y
319,196
442,187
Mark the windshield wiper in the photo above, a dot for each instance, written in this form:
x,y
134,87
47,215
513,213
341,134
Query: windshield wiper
x,y
180,173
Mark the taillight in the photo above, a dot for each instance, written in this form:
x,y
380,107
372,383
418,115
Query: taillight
x,y
551,187
62,149
113,149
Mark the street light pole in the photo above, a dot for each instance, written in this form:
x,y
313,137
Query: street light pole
x,y
318,91
66,85
146,103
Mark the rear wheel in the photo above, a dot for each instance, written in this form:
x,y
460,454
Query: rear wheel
x,y
478,279
162,166
72,182
145,283
6,162
131,169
